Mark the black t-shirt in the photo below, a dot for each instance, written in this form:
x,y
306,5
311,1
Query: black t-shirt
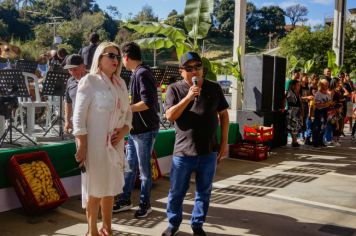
x,y
143,88
87,53
71,91
196,127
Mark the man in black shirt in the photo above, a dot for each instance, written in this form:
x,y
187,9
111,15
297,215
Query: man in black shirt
x,y
195,105
76,68
87,52
145,126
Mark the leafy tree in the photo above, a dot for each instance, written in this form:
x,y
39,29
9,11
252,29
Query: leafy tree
x,y
271,20
225,17
68,9
305,44
296,13
146,14
16,27
350,48
251,20
176,21
172,13
3,30
114,12
44,35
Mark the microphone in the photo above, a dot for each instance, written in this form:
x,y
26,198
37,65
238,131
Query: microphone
x,y
195,82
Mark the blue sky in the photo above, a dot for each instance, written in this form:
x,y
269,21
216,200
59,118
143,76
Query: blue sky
x,y
318,9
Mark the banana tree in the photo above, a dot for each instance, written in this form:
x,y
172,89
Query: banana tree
x,y
335,69
292,63
308,65
197,21
172,37
155,43
229,67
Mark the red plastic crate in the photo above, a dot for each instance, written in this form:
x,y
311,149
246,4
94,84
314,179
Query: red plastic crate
x,y
254,152
22,187
258,134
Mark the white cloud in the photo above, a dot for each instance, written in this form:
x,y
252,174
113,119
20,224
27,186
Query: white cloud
x,y
314,22
323,2
267,4
284,4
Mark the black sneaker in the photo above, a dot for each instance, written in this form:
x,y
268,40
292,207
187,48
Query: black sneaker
x,y
307,141
170,232
143,210
122,205
198,232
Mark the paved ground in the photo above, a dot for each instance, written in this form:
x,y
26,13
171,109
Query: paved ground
x,y
296,192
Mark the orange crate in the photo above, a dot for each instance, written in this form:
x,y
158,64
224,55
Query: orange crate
x,y
22,186
254,152
258,133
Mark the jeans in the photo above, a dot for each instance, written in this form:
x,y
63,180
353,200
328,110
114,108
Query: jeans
x,y
308,128
138,154
328,136
319,126
182,168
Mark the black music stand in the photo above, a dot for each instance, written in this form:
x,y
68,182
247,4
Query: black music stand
x,y
171,75
12,85
55,84
158,74
126,76
27,66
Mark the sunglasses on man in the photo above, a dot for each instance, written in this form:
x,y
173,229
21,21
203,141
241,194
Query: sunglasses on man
x,y
112,56
194,67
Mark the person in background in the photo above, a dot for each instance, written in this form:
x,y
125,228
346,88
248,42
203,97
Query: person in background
x,y
306,96
53,59
348,88
327,74
62,56
322,103
295,111
335,119
76,68
145,126
87,52
196,109
102,117
295,75
353,99
313,88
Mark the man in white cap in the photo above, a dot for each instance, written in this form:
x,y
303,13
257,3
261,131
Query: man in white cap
x,y
76,68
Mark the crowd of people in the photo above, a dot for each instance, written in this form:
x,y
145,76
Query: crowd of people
x,y
318,108
100,113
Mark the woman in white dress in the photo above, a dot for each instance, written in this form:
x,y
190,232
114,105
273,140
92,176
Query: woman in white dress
x,y
102,117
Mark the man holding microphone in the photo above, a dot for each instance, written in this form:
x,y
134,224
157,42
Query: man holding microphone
x,y
195,105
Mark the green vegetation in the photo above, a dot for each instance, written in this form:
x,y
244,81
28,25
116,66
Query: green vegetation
x,y
26,24
303,44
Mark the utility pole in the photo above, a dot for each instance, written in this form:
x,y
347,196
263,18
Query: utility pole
x,y
270,35
339,30
56,20
239,42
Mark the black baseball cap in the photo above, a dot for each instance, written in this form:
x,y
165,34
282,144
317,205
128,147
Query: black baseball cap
x,y
189,56
73,61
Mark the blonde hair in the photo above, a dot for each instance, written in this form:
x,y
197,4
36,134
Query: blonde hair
x,y
95,66
324,82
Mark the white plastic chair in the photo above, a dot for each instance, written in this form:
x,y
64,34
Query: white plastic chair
x,y
31,105
161,114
